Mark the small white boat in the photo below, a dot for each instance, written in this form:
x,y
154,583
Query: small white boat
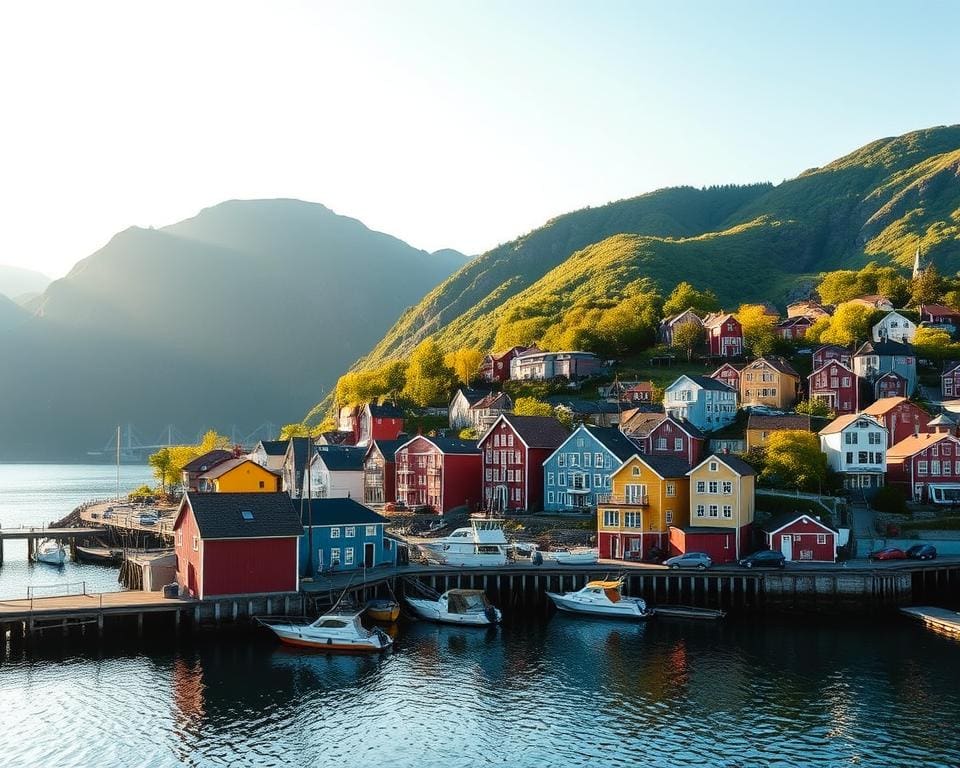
x,y
602,598
574,556
50,552
333,632
482,544
458,606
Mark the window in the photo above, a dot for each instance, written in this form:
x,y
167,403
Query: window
x,y
562,460
496,441
587,460
849,457
935,467
334,533
632,520
821,538
701,486
713,486
562,479
350,531
921,468
510,441
196,543
597,481
700,510
714,510
678,443
636,471
335,556
713,466
516,457
850,438
727,487
348,556
550,497
671,489
669,516
550,478
598,459
661,443
488,474
611,518
574,459
371,530
180,538
727,510
874,438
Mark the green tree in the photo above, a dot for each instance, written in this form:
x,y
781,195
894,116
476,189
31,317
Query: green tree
x,y
163,469
688,338
465,363
684,296
759,329
935,344
293,430
816,407
927,287
429,380
531,406
794,460
850,323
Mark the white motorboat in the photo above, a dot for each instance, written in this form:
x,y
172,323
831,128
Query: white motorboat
x,y
573,556
602,598
332,632
481,544
458,606
50,552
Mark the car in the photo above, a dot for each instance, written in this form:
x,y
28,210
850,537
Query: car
x,y
765,558
108,513
148,518
922,552
888,553
689,560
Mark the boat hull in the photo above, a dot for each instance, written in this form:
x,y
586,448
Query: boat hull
x,y
571,559
56,558
427,609
385,613
303,638
625,609
466,560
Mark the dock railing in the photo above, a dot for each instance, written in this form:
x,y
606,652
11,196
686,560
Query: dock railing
x,y
61,589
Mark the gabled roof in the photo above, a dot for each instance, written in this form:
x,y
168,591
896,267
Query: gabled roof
x,y
781,521
704,382
452,445
336,437
884,405
220,515
941,420
612,439
274,447
736,367
938,309
718,318
385,411
829,362
207,461
916,443
321,512
665,466
842,422
736,464
687,312
778,421
491,400
777,363
824,347
888,374
789,322
884,348
950,367
341,458
472,396
534,431
387,448
641,423
219,470
299,447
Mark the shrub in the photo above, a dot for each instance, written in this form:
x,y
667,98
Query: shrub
x,y
890,500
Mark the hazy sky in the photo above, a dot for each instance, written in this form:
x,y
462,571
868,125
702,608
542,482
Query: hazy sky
x,y
448,124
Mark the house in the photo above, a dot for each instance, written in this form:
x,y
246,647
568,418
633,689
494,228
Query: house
x,y
495,368
336,471
379,473
441,472
724,335
769,381
760,426
579,470
874,301
483,413
600,413
801,537
836,385
236,544
638,392
793,328
940,316
925,465
190,473
294,465
894,327
950,381
459,409
378,422
669,324
729,439
827,352
729,374
856,447
343,535
721,509
889,384
706,403
513,451
657,434
942,424
648,495
335,437
269,455
874,358
238,475
807,308
901,417
535,365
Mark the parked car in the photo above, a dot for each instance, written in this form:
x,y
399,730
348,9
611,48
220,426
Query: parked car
x,y
148,518
108,513
888,553
922,552
690,560
765,558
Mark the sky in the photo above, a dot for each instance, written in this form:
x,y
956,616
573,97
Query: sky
x,y
453,124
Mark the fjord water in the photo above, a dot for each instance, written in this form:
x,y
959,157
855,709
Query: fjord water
x,y
536,692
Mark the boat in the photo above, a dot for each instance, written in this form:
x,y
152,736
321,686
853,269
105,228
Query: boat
x,y
50,552
383,609
458,606
332,632
480,544
101,555
573,556
602,598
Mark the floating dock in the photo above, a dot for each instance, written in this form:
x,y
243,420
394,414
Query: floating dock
x,y
940,620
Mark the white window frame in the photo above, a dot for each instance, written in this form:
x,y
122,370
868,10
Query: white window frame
x,y
371,530
335,533
348,555
350,532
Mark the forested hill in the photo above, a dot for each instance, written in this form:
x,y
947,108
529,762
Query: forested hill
x,y
747,243
243,314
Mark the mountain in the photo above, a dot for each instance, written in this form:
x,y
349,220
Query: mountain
x,y
244,314
15,281
11,314
747,243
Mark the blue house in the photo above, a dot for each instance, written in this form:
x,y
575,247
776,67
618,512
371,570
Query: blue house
x,y
342,534
580,469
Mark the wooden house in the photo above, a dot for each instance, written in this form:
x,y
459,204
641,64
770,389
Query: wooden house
x,y
855,445
579,470
336,471
379,422
901,418
534,365
827,352
769,381
729,374
238,475
495,368
875,358
343,535
190,474
950,381
669,324
894,327
483,413
657,434
269,455
441,472
926,466
801,537
793,328
459,409
706,403
836,385
724,335
760,426
379,473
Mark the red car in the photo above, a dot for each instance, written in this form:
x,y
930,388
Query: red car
x,y
888,553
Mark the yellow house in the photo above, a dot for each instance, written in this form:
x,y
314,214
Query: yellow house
x,y
760,426
769,381
647,495
238,475
721,509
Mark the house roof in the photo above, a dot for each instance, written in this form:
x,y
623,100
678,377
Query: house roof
x,y
341,458
336,437
950,366
320,512
842,422
941,420
613,440
687,312
299,447
736,366
707,383
938,309
219,470
535,431
778,421
795,320
220,515
642,423
784,519
837,347
716,318
385,411
738,465
274,447
387,448
828,362
884,405
707,529
446,444
472,396
777,363
665,466
883,348
207,461
491,400
916,443
888,374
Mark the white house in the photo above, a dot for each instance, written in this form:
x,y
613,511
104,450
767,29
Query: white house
x,y
895,327
856,447
706,403
270,454
336,472
463,400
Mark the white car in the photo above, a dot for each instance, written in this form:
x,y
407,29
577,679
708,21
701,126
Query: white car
x,y
148,518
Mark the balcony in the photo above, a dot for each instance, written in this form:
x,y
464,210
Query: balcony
x,y
630,500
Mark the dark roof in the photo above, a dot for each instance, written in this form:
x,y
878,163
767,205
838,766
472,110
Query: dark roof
x,y
219,515
707,383
336,437
538,431
387,447
707,529
274,447
207,461
735,463
473,396
300,448
885,348
385,411
454,445
785,518
666,466
337,512
771,421
613,440
491,399
341,458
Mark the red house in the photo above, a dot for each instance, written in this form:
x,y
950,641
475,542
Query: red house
x,y
939,315
656,434
922,464
442,472
729,374
379,474
236,544
640,392
801,537
950,381
513,451
837,386
496,367
890,384
831,352
793,328
724,335
902,418
378,422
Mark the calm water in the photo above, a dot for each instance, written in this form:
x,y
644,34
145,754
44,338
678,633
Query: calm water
x,y
563,692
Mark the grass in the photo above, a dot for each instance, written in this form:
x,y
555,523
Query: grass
x,y
938,524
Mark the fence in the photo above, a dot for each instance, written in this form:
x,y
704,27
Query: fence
x,y
61,589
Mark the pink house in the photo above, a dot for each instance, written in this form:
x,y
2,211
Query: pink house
x,y
832,352
921,463
656,434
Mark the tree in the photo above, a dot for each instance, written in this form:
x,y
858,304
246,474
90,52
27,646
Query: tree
x,y
794,460
850,323
935,344
293,430
429,380
465,363
927,287
688,338
530,406
163,468
759,329
816,407
173,458
468,433
845,284
685,296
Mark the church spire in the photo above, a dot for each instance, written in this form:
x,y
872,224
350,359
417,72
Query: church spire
x,y
917,268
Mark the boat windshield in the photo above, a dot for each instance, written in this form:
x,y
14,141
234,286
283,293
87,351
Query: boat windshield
x,y
332,623
467,601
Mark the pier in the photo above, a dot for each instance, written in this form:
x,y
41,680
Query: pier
x,y
938,619
33,535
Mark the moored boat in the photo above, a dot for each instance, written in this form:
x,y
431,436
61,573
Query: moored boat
x,y
481,544
50,552
573,556
458,606
332,632
602,598
101,555
383,609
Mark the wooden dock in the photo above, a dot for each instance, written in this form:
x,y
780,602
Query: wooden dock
x,y
939,620
33,535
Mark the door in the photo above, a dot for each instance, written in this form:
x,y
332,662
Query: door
x,y
319,564
786,546
615,547
634,494
368,555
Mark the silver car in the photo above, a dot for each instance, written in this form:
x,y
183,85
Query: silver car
x,y
690,560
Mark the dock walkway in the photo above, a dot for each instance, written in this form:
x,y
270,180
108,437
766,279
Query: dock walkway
x,y
938,619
